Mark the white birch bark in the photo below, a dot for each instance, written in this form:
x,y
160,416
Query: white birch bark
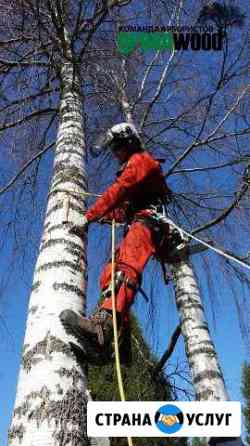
x,y
50,407
206,373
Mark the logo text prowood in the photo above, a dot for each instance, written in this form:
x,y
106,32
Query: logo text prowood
x,y
161,418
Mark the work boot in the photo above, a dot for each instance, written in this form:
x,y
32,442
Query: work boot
x,y
94,334
99,326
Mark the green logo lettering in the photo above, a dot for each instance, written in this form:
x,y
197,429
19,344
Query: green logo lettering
x,y
127,41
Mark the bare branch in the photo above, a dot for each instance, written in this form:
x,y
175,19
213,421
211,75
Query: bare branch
x,y
144,80
172,343
46,111
209,137
225,213
158,91
26,165
219,166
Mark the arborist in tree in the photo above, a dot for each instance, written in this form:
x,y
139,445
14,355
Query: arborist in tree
x,y
136,198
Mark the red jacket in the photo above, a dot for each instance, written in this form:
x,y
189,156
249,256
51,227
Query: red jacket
x,y
139,184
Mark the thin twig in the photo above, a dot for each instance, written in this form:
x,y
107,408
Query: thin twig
x,y
225,213
195,144
26,165
219,166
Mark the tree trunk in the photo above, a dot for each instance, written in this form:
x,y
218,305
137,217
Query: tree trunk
x,y
207,376
50,407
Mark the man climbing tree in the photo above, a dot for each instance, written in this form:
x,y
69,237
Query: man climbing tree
x,y
138,198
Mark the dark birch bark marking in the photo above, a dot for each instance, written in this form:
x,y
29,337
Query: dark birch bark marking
x,y
55,208
33,309
59,264
52,228
204,350
205,395
71,409
35,286
60,241
60,184
69,288
41,351
183,304
16,432
209,374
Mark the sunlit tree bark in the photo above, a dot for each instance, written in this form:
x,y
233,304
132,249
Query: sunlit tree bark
x,y
52,394
201,354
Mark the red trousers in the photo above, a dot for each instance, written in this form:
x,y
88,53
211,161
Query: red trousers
x,y
131,257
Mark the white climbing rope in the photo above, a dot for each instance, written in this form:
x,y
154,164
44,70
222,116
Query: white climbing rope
x,y
208,245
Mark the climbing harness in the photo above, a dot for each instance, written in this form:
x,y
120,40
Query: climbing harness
x,y
120,279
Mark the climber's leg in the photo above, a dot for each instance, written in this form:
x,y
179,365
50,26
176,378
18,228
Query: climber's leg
x,y
131,257
96,332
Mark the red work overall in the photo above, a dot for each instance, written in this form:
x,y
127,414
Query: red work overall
x,y
139,183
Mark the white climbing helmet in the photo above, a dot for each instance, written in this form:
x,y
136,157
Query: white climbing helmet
x,y
120,134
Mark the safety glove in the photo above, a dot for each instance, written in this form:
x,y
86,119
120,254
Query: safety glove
x,y
80,229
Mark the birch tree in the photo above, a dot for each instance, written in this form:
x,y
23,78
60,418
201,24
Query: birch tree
x,y
52,393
